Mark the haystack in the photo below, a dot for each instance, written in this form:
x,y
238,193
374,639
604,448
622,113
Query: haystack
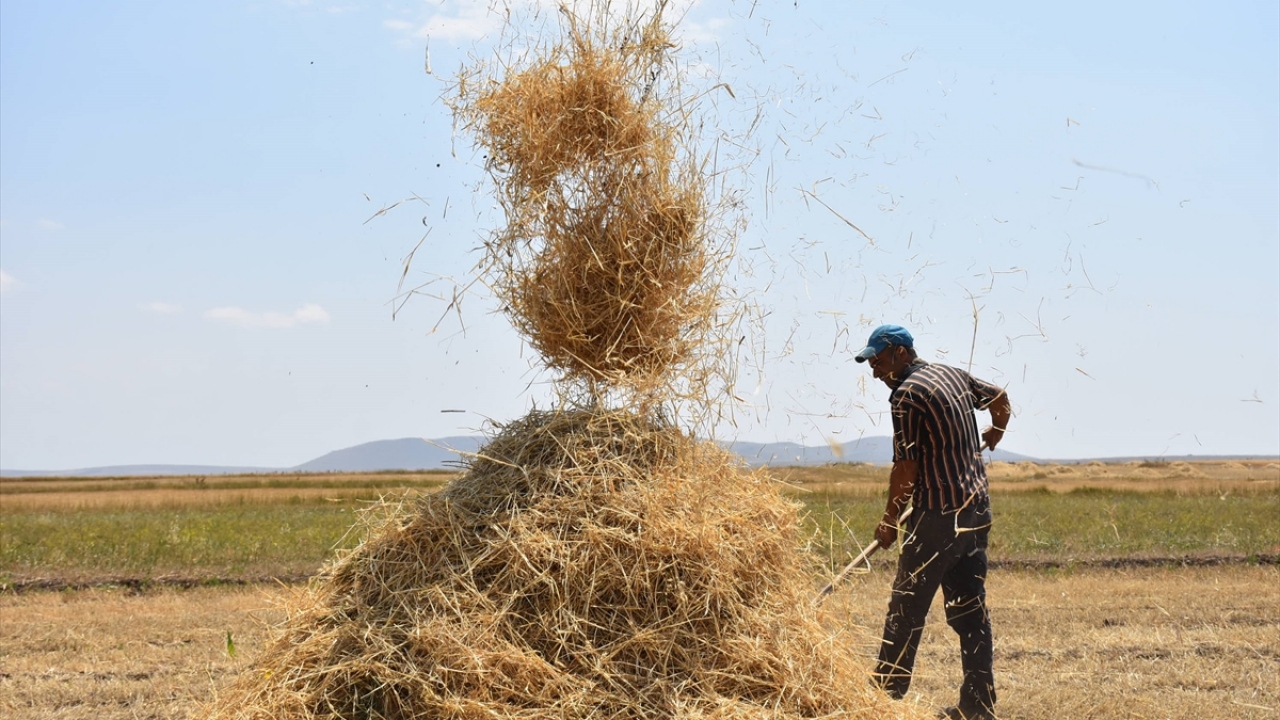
x,y
593,561
588,565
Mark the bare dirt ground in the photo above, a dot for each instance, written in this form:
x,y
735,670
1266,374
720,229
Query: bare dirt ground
x,y
1167,643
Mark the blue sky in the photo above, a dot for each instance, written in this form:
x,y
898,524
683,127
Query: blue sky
x,y
187,274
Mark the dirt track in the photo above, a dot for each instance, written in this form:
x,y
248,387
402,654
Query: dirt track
x,y
20,585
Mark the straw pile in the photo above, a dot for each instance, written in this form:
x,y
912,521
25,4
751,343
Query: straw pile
x,y
605,264
589,565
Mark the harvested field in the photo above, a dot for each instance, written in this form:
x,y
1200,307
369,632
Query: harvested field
x,y
1106,637
244,528
1140,643
1246,477
70,494
114,653
1182,643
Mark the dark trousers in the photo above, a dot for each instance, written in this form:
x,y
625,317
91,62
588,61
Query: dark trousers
x,y
947,550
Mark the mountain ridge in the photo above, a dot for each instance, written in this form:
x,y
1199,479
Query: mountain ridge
x,y
415,453
412,453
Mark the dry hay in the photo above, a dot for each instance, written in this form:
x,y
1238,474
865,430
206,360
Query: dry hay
x,y
587,565
608,264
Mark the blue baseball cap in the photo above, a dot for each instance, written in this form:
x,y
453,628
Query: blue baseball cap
x,y
882,337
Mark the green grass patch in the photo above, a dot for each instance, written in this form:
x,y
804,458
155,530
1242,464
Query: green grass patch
x,y
233,541
253,539
1083,525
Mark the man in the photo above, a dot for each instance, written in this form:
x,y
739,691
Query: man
x,y
937,466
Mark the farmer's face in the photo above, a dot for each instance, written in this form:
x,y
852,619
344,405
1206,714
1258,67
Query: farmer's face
x,y
887,364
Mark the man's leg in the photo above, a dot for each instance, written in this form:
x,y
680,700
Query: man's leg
x,y
926,554
903,624
965,595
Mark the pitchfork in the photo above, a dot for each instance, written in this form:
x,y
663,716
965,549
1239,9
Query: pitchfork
x,y
862,558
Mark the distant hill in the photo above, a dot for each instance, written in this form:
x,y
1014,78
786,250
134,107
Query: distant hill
x,y
448,452
876,449
140,470
402,454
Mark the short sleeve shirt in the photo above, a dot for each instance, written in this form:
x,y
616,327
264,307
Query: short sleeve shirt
x,y
934,424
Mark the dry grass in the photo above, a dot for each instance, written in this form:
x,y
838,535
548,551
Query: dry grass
x,y
1138,476
173,499
20,495
108,654
1193,643
1183,478
21,485
848,479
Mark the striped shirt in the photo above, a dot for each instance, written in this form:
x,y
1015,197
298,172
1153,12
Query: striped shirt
x,y
934,424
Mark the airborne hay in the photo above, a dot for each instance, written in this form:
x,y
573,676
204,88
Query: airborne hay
x,y
589,565
609,263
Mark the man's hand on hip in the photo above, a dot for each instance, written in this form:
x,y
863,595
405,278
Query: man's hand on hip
x,y
1001,410
992,436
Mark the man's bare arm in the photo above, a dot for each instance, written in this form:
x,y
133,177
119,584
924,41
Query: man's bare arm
x,y
902,480
1001,410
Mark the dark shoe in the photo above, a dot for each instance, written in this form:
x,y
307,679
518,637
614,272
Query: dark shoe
x,y
955,713
890,685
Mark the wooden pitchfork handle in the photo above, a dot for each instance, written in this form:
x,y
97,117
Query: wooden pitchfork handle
x,y
862,557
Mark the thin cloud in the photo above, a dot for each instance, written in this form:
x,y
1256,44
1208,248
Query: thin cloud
x,y
460,21
305,315
50,225
331,8
163,308
468,20
704,33
8,283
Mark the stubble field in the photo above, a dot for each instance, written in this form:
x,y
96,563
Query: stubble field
x,y
1141,590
